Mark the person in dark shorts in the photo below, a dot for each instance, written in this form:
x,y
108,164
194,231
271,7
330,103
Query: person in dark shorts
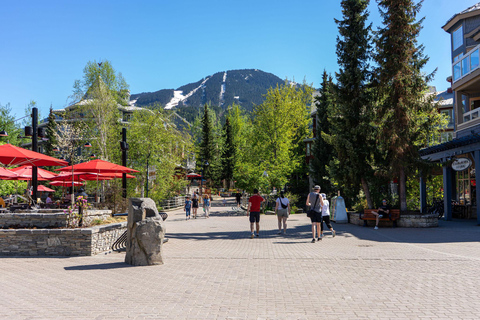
x,y
315,201
384,210
253,211
238,198
194,205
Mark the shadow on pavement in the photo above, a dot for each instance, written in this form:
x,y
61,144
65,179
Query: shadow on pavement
x,y
102,266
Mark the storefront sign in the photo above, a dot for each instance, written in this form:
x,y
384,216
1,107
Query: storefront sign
x,y
461,164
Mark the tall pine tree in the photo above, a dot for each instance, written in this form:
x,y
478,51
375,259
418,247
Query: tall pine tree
x,y
206,154
351,115
51,129
322,151
405,117
228,154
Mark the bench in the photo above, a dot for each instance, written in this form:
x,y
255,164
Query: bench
x,y
367,214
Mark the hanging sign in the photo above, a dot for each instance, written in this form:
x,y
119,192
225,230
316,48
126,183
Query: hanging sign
x,y
461,164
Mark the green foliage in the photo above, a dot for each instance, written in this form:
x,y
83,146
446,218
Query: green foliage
x,y
351,133
12,187
228,153
156,145
434,185
322,150
7,123
51,129
279,125
405,117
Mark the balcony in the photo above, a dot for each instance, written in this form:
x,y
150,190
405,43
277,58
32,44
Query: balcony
x,y
466,65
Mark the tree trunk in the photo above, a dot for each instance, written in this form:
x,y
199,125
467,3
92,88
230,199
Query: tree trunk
x,y
366,190
402,189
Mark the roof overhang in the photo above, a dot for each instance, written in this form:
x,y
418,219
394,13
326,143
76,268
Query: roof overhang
x,y
459,16
451,148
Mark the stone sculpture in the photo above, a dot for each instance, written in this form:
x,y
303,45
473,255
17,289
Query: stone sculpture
x,y
145,233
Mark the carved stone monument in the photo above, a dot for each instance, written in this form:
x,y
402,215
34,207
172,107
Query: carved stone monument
x,y
145,233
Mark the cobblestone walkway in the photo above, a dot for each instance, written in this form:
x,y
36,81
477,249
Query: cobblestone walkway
x,y
214,270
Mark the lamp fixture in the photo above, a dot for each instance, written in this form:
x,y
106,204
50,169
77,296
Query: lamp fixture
x,y
92,155
88,145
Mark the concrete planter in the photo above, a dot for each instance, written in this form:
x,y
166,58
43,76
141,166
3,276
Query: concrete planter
x,y
406,221
60,242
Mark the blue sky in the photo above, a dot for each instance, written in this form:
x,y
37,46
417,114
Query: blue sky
x,y
44,45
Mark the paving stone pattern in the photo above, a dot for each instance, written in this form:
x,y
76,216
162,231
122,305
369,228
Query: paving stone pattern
x,y
213,270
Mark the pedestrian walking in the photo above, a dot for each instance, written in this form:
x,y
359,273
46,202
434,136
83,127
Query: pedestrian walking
x,y
315,201
253,211
238,198
187,207
326,215
282,209
206,205
194,206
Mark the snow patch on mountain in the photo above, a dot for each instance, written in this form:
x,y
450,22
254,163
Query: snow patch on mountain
x,y
222,89
179,97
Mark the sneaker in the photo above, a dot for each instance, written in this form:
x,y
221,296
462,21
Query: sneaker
x,y
313,240
380,216
257,235
376,228
319,239
334,233
279,232
252,236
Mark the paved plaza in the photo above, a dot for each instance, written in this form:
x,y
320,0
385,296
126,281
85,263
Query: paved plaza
x,y
213,270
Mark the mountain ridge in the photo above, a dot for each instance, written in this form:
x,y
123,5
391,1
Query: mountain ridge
x,y
244,87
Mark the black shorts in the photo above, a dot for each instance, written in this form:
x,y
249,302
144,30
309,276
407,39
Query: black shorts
x,y
254,217
317,217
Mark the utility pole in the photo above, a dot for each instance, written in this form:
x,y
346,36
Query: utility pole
x,y
34,148
124,161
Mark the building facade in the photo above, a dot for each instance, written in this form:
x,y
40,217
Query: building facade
x,y
460,156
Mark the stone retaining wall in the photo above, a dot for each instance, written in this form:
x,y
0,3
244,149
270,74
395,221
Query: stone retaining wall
x,y
47,219
406,221
60,242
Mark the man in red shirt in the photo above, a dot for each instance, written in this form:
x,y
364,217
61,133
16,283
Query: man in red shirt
x,y
254,203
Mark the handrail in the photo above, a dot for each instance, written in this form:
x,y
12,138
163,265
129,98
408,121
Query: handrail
x,y
467,64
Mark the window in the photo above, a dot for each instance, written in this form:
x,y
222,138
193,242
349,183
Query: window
x,y
474,60
465,65
308,149
457,38
474,103
448,114
457,71
458,57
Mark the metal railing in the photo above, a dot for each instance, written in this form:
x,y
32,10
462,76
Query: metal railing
x,y
467,64
175,202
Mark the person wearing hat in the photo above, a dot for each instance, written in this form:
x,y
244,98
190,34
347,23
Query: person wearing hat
x,y
315,201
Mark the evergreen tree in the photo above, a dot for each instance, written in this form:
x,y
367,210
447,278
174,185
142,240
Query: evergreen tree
x,y
322,151
228,153
405,116
351,115
51,129
205,160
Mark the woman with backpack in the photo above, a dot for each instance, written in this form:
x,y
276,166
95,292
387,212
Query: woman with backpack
x,y
282,209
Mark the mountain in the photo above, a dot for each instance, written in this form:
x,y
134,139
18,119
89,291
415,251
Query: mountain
x,y
242,87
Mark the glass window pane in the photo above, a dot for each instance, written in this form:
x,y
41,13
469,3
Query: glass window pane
x,y
465,65
474,60
457,38
456,71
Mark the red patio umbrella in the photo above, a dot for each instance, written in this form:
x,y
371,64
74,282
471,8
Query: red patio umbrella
x,y
43,188
16,156
6,174
193,175
99,166
25,173
79,176
117,175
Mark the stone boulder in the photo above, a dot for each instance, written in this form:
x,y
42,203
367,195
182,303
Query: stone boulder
x,y
145,233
